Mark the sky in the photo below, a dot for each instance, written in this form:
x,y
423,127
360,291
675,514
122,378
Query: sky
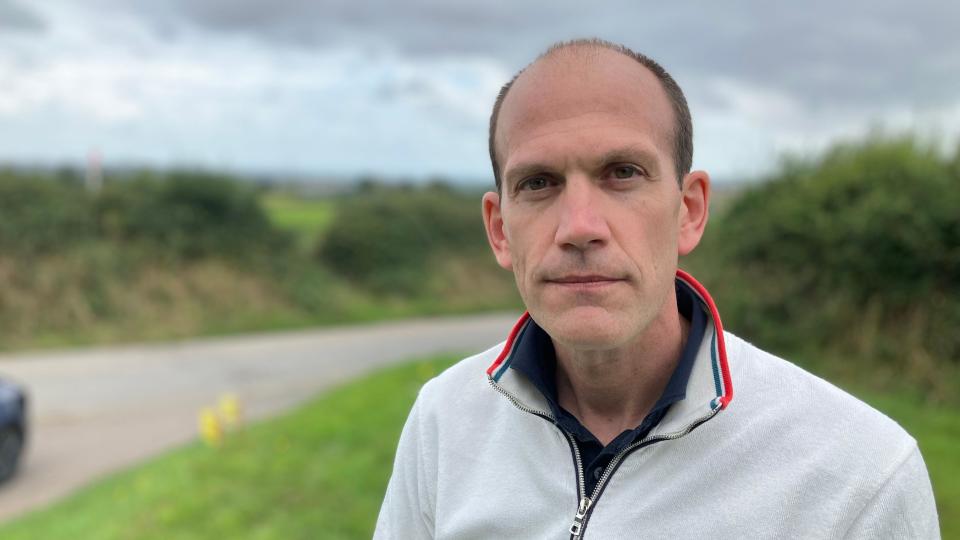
x,y
403,89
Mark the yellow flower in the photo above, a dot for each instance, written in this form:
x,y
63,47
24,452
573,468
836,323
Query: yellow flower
x,y
210,430
230,410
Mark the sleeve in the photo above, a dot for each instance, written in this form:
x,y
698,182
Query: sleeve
x,y
903,507
407,510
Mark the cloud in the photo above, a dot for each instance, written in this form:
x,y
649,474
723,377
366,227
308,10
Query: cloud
x,y
232,103
16,17
855,51
405,88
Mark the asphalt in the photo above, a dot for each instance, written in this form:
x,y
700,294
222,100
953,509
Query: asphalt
x,y
97,410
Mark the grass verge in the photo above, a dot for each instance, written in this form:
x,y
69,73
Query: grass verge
x,y
320,472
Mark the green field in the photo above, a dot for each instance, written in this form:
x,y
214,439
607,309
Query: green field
x,y
304,217
320,472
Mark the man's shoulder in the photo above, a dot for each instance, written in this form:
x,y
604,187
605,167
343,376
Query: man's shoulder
x,y
464,380
809,437
809,409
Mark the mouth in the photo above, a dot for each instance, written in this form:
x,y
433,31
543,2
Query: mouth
x,y
584,281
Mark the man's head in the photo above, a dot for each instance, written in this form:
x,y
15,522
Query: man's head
x,y
683,124
589,214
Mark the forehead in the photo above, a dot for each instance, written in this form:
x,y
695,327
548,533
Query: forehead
x,y
596,84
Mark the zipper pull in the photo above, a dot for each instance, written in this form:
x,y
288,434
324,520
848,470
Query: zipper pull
x,y
581,514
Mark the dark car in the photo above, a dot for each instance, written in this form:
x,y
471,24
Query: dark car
x,y
13,427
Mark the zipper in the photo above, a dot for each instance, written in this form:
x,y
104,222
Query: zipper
x,y
518,404
580,519
586,504
585,501
577,528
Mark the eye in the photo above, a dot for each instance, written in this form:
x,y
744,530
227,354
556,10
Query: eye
x,y
535,184
624,172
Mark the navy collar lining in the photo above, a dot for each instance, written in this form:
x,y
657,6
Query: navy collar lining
x,y
535,357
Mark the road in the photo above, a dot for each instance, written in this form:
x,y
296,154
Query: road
x,y
97,410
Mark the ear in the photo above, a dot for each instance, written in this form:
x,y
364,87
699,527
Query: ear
x,y
493,222
694,210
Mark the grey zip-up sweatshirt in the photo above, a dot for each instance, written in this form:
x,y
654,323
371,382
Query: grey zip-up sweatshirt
x,y
791,457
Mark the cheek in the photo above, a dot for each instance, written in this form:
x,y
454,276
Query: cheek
x,y
521,231
528,240
521,254
648,233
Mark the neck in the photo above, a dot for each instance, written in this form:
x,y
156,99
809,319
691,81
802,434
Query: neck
x,y
613,390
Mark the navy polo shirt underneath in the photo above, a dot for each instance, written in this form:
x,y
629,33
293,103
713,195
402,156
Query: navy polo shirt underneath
x,y
535,357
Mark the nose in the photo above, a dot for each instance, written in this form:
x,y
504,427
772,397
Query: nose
x,y
582,224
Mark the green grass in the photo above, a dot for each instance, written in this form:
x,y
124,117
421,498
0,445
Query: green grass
x,y
320,472
304,217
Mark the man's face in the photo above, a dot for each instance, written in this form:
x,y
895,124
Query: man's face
x,y
590,217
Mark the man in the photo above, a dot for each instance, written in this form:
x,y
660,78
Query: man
x,y
609,410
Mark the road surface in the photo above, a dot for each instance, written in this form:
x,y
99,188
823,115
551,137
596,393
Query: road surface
x,y
97,410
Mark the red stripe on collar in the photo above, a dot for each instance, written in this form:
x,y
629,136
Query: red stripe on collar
x,y
508,346
721,344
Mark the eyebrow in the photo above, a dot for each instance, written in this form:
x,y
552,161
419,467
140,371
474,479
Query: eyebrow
x,y
633,153
526,169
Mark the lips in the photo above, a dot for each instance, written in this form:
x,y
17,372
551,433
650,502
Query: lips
x,y
582,283
583,279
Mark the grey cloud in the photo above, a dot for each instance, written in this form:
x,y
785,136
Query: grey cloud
x,y
828,56
823,54
16,17
418,27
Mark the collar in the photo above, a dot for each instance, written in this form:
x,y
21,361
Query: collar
x,y
708,388
535,357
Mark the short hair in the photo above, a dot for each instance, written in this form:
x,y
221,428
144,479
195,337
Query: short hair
x,y
683,125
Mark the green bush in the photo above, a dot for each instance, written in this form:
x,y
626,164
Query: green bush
x,y
41,214
388,238
882,218
858,251
187,215
182,215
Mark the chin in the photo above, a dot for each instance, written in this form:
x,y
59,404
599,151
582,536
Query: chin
x,y
585,328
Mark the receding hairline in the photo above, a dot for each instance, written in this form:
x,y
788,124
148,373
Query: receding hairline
x,y
591,50
574,55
